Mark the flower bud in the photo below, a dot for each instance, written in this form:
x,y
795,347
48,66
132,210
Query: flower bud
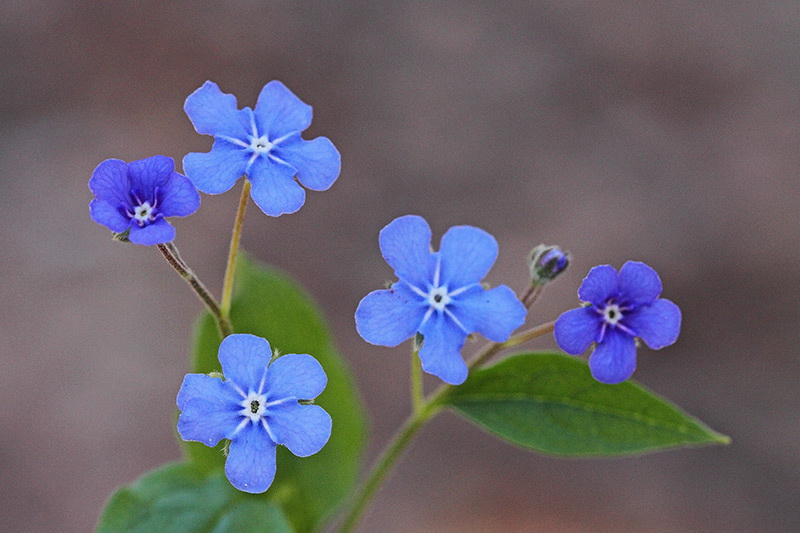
x,y
546,263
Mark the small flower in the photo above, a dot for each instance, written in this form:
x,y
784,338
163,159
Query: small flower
x,y
621,307
438,295
547,263
256,407
137,196
263,144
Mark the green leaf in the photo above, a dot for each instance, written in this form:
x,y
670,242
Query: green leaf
x,y
182,498
550,403
269,304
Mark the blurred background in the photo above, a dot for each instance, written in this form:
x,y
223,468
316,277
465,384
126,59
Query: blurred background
x,y
665,132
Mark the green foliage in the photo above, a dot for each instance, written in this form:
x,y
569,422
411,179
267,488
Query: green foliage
x,y
181,498
549,402
269,304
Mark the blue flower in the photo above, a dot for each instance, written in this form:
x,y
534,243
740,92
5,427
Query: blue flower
x,y
438,295
137,196
263,144
621,307
256,407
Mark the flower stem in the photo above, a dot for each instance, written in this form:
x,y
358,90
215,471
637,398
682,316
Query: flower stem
x,y
170,253
233,252
422,413
417,391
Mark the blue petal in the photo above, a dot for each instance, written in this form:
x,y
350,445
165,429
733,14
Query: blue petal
x,y
613,360
213,112
209,388
441,349
110,183
179,197
147,174
274,190
388,317
467,255
575,330
279,112
109,216
599,285
638,283
406,245
495,313
297,376
209,409
658,325
216,172
250,466
317,161
244,359
158,232
304,429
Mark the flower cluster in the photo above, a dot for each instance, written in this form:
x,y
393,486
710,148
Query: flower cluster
x,y
255,407
622,306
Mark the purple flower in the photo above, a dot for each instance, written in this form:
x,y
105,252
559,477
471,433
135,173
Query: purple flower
x,y
137,197
262,144
256,407
439,295
621,307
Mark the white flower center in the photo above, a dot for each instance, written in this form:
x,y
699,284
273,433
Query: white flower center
x,y
261,145
438,298
254,406
143,213
612,314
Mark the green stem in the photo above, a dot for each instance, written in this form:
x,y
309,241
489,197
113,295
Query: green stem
x,y
419,417
417,391
170,253
233,252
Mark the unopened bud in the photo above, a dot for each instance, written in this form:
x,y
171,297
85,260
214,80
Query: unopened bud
x,y
546,263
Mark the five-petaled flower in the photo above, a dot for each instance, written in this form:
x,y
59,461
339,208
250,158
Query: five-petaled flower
x,y
137,196
264,144
256,407
622,306
439,295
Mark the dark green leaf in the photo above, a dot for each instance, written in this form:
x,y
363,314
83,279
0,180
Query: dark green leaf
x,y
181,498
550,403
269,304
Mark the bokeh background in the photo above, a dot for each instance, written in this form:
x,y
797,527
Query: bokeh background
x,y
666,132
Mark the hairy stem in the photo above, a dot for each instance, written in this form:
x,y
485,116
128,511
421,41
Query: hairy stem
x,y
233,252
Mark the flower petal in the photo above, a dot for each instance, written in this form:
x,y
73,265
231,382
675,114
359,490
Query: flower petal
x,y
213,112
210,388
147,174
274,190
179,197
250,466
658,325
244,359
158,232
599,285
638,283
406,245
441,349
304,429
317,161
216,172
467,255
109,216
388,317
279,112
110,183
209,409
495,313
575,330
295,376
613,360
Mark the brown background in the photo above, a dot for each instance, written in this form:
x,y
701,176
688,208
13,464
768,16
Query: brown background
x,y
660,131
